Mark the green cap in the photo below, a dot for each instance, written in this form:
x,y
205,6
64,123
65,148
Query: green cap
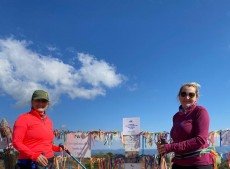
x,y
40,94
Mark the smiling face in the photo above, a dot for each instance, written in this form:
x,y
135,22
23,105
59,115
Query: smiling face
x,y
40,105
188,96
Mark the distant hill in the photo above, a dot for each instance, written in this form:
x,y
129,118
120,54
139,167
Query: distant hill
x,y
122,151
222,150
105,151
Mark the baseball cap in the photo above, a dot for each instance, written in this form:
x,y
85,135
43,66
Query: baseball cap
x,y
40,94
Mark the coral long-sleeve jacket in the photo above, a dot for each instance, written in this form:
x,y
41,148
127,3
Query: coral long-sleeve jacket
x,y
33,135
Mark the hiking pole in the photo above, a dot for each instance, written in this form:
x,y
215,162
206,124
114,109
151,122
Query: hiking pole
x,y
68,152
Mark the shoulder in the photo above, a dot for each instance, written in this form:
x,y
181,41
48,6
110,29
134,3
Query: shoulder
x,y
23,118
201,111
48,119
176,115
200,108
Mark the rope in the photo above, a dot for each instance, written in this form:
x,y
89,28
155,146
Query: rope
x,y
163,164
69,165
148,161
56,162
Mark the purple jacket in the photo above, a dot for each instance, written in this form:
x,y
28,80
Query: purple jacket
x,y
190,133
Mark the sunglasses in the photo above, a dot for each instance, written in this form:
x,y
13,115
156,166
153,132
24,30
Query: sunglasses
x,y
190,95
41,100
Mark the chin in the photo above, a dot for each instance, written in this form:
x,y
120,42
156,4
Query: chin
x,y
41,110
187,105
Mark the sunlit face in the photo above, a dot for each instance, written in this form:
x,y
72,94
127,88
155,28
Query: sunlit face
x,y
40,105
187,96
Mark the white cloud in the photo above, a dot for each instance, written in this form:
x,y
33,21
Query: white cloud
x,y
133,87
97,72
52,48
22,71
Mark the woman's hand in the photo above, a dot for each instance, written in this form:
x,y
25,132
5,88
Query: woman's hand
x,y
63,147
42,160
161,148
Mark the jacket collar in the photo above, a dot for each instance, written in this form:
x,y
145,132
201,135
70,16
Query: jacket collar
x,y
37,114
189,109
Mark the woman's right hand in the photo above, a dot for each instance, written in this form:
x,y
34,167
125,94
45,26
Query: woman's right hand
x,y
42,160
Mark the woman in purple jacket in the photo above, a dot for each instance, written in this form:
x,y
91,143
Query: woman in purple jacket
x,y
189,132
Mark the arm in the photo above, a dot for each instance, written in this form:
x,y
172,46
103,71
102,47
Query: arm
x,y
59,148
19,132
199,141
56,148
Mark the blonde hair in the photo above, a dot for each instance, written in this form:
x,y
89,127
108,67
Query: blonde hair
x,y
191,84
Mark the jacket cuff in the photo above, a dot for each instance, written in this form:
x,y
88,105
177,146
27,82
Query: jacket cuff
x,y
56,148
34,157
167,148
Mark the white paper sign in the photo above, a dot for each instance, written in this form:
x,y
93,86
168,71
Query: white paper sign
x,y
225,138
131,126
3,143
132,143
79,144
132,166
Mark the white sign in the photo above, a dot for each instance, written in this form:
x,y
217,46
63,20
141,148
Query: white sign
x,y
225,138
131,126
132,143
132,166
3,143
79,144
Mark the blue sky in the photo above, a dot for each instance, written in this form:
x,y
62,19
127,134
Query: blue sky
x,y
105,60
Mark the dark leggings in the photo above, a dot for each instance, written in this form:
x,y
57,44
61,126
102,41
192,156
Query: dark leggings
x,y
174,166
22,166
27,164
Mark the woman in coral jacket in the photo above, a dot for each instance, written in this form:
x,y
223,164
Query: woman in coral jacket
x,y
33,135
189,132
